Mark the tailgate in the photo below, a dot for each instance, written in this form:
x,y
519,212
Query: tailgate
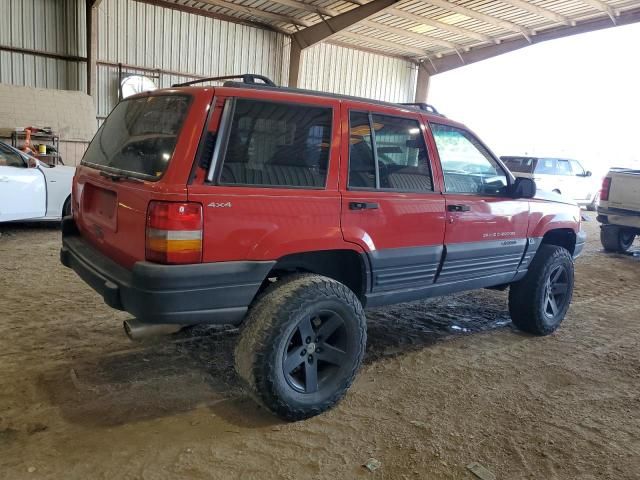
x,y
144,151
112,216
625,190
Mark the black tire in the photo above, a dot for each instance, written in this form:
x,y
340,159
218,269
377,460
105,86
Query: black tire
x,y
66,208
273,358
616,239
533,305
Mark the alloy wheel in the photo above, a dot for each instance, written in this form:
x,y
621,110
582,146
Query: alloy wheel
x,y
315,351
556,291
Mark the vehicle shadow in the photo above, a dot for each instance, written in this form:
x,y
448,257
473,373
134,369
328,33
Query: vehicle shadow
x,y
14,229
195,368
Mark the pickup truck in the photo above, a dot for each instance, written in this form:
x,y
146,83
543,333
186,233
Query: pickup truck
x,y
619,209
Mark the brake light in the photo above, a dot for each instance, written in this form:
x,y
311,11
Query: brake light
x,y
174,232
606,186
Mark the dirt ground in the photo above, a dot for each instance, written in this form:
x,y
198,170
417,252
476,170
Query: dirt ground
x,y
446,382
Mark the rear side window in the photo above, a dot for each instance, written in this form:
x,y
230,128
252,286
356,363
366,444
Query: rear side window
x,y
399,160
139,136
277,145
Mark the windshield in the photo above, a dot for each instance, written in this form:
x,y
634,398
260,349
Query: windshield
x,y
139,136
520,164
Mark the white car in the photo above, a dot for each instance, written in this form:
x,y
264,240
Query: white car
x,y
32,190
564,176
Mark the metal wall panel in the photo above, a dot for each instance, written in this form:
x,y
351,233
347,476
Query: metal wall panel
x,y
52,26
151,37
333,68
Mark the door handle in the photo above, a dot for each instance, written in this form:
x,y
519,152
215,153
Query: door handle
x,y
4,179
458,208
363,205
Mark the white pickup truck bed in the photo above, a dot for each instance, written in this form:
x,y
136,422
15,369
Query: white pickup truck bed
x,y
619,209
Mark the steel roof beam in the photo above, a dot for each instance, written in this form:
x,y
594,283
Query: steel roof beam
x,y
331,26
211,14
451,61
307,7
384,43
540,12
603,7
467,12
257,13
408,34
422,20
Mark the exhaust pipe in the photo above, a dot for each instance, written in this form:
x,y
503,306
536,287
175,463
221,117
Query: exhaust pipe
x,y
137,330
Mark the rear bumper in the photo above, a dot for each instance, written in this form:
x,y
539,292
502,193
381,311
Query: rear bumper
x,y
217,293
619,216
581,239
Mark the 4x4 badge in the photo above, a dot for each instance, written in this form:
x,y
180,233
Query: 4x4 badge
x,y
220,205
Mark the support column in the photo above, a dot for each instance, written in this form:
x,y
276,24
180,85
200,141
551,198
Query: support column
x,y
330,26
294,63
422,84
92,45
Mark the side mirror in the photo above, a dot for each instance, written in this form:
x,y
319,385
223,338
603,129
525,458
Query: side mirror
x,y
32,162
587,173
523,188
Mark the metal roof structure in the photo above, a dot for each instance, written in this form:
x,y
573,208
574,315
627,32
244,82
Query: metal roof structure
x,y
438,34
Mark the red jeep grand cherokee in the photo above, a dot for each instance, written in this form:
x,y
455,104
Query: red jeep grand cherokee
x,y
290,211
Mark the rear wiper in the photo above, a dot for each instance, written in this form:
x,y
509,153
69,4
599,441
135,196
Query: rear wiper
x,y
116,177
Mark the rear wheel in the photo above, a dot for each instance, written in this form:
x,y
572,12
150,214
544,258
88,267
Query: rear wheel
x,y
302,345
616,239
539,302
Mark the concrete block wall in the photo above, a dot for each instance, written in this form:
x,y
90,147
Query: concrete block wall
x,y
71,115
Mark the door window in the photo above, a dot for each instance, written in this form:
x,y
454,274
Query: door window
x,y
277,144
546,166
467,165
9,158
362,167
564,168
576,168
400,154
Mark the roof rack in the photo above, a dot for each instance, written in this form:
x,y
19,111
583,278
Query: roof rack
x,y
423,106
248,78
249,81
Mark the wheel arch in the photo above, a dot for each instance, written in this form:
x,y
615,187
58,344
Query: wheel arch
x,y
561,237
344,265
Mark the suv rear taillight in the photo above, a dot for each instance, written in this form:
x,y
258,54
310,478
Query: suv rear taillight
x,y
606,186
174,232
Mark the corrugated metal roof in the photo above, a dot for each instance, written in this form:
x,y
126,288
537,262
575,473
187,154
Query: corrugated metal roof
x,y
448,26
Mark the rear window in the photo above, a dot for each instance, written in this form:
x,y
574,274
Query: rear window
x,y
520,165
139,136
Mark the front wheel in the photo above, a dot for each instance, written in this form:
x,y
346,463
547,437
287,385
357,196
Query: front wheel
x,y
301,346
539,302
616,239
